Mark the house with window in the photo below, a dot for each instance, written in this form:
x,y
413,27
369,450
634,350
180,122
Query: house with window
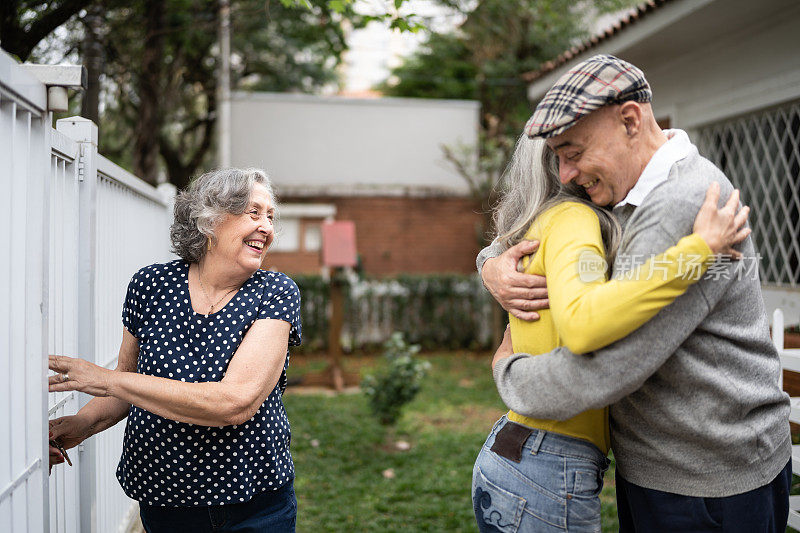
x,y
375,161
727,72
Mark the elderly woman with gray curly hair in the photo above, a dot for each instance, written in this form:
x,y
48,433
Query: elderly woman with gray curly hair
x,y
201,371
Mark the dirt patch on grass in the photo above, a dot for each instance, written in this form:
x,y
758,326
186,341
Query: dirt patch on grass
x,y
464,419
394,444
301,390
300,365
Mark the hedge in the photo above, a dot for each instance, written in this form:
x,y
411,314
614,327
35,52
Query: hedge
x,y
442,311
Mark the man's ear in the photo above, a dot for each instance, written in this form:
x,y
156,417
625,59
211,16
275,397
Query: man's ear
x,y
630,113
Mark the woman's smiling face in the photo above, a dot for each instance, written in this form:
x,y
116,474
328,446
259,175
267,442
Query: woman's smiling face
x,y
243,239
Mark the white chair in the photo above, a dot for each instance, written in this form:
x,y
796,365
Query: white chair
x,y
790,360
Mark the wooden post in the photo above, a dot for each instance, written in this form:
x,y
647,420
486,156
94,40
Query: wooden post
x,y
335,375
335,331
338,253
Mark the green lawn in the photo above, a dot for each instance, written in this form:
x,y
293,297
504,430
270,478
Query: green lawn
x,y
341,453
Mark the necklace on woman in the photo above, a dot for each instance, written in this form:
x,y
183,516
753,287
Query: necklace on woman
x,y
211,309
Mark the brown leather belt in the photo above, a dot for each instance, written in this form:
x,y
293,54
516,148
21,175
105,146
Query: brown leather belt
x,y
509,441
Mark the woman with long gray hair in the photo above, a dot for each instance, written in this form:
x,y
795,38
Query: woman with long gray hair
x,y
201,371
546,475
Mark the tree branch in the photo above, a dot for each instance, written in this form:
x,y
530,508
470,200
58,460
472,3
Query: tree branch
x,y
25,39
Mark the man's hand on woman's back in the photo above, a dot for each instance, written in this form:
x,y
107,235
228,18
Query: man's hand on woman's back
x,y
518,293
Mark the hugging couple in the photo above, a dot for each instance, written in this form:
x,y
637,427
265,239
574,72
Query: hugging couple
x,y
633,327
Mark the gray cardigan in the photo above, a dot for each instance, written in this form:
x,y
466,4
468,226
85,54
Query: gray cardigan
x,y
695,403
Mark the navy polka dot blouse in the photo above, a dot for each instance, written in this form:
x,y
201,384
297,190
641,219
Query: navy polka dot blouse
x,y
176,464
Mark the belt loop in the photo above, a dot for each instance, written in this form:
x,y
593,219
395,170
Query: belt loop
x,y
537,442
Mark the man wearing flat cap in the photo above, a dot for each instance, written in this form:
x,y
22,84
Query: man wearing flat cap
x,y
699,426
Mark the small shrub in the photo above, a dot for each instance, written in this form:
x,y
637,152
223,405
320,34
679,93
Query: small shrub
x,y
392,387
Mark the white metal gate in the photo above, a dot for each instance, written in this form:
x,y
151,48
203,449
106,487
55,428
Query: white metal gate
x,y
24,161
76,227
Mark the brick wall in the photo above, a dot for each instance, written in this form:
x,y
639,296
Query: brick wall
x,y
399,235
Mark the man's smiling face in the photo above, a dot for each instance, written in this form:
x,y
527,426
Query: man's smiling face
x,y
595,154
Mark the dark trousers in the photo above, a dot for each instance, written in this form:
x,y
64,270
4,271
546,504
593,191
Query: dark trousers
x,y
273,511
762,510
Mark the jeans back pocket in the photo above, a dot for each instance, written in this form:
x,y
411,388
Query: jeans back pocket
x,y
496,509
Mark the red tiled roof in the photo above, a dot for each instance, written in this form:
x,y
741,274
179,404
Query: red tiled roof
x,y
631,17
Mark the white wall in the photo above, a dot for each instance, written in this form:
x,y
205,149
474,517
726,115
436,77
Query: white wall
x,y
311,144
746,70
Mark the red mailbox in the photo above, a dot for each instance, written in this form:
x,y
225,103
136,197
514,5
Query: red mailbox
x,y
339,243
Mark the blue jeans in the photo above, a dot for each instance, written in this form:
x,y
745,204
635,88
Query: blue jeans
x,y
555,486
761,510
273,511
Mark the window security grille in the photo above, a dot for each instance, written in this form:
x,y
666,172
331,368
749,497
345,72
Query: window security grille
x,y
760,154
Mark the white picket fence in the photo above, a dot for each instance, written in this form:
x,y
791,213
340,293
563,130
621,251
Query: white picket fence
x,y
75,228
790,360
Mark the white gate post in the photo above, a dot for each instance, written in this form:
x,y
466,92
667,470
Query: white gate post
x,y
37,311
24,161
84,132
777,339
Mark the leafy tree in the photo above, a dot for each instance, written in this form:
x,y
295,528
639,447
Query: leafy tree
x,y
442,68
23,24
159,58
163,62
485,59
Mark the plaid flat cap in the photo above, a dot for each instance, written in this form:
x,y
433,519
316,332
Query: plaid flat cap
x,y
600,80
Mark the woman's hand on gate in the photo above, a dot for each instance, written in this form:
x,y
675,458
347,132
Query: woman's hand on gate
x,y
56,458
68,431
77,374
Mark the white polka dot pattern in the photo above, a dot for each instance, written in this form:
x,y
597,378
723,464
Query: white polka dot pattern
x,y
172,463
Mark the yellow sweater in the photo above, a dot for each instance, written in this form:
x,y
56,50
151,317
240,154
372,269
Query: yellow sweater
x,y
586,311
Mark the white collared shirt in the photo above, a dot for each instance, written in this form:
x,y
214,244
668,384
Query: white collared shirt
x,y
677,147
